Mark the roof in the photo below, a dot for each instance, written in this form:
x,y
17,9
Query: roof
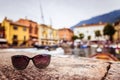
x,y
65,29
8,19
88,25
18,24
14,23
26,22
44,25
47,26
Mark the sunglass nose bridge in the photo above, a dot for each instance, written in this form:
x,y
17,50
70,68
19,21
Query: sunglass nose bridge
x,y
30,58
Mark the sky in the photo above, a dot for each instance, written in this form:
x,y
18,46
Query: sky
x,y
58,13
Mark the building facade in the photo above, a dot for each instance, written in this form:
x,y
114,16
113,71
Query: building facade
x,y
2,36
16,34
65,34
48,35
2,31
116,36
89,30
33,30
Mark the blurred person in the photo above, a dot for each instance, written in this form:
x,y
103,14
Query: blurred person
x,y
67,48
47,48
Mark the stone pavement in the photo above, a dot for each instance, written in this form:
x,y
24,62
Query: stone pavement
x,y
60,68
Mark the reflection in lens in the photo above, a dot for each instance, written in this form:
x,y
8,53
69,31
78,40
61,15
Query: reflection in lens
x,y
41,61
20,61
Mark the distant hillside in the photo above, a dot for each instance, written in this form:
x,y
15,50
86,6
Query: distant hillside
x,y
108,17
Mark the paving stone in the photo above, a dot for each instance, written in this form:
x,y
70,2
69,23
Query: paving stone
x,y
60,68
114,72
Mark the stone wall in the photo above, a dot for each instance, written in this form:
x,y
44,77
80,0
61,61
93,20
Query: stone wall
x,y
60,68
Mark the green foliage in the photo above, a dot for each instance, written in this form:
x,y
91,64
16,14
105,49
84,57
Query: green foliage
x,y
109,30
81,35
89,37
97,33
74,37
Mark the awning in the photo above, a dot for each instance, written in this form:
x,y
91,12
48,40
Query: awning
x,y
34,39
3,40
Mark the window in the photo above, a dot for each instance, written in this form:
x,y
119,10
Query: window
x,y
1,35
15,27
15,37
24,28
24,38
30,29
15,40
36,30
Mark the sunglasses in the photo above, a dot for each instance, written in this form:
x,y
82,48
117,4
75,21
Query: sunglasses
x,y
20,62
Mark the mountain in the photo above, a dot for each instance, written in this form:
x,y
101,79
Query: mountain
x,y
105,18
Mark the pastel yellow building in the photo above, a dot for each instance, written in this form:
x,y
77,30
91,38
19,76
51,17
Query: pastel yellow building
x,y
33,30
47,35
15,33
55,36
116,36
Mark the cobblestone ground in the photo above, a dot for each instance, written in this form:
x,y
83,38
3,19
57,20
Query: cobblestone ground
x,y
60,68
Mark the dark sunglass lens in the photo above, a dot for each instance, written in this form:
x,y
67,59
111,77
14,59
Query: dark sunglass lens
x,y
20,62
42,61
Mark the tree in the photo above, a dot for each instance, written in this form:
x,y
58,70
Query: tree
x,y
109,30
97,33
81,35
89,37
74,37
